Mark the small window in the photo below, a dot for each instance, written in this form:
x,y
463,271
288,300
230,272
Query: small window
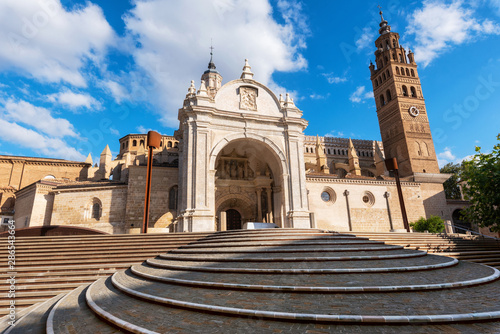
x,y
172,198
413,92
325,196
389,97
134,143
169,144
388,73
142,142
383,75
407,73
405,91
412,73
402,71
382,100
329,151
397,70
96,211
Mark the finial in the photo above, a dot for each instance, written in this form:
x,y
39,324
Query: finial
x,y
203,89
381,13
192,89
247,71
211,65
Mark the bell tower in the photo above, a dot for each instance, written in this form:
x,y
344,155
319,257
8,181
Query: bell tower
x,y
401,110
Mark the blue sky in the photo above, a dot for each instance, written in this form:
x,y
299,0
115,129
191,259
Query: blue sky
x,y
77,75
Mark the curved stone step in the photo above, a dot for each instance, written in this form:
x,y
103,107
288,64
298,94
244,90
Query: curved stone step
x,y
310,267
321,307
280,243
248,250
33,321
290,238
168,319
385,283
290,257
72,315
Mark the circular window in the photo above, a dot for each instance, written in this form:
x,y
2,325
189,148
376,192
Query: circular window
x,y
328,195
368,198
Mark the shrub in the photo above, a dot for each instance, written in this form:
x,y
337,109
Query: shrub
x,y
434,225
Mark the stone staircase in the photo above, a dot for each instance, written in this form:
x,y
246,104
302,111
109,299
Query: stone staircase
x,y
280,280
48,266
462,247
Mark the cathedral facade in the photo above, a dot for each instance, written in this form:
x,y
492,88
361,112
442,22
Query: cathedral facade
x,y
240,155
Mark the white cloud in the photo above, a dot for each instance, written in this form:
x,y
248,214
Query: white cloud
x,y
115,89
52,147
332,79
366,39
496,5
37,117
447,156
315,96
174,39
360,95
74,100
41,39
334,133
439,25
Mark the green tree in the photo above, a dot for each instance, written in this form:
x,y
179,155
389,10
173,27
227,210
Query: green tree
x,y
451,187
433,225
481,177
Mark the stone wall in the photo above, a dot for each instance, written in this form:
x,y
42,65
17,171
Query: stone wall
x,y
435,200
163,179
73,206
369,208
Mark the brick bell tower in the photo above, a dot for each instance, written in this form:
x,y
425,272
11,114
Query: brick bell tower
x,y
401,111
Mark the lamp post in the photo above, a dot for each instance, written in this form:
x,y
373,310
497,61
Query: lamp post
x,y
154,139
392,165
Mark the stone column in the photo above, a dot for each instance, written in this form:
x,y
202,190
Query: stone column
x,y
259,205
269,206
223,221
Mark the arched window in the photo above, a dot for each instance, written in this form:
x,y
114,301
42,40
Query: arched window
x,y
172,198
413,92
307,149
161,143
96,211
334,151
49,177
329,151
405,91
401,58
412,72
142,142
397,70
169,144
134,142
379,80
382,100
407,73
402,71
126,144
383,76
388,73
123,146
388,93
376,83
176,144
394,43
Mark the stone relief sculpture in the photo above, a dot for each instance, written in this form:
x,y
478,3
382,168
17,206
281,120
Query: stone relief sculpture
x,y
248,98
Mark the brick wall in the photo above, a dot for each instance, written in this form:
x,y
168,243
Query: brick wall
x,y
163,178
74,207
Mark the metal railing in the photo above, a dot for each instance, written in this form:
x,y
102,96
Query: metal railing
x,y
468,231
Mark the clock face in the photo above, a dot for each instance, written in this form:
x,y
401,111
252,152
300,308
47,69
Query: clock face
x,y
414,111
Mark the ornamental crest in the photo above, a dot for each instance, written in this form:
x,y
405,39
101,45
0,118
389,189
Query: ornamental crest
x,y
248,98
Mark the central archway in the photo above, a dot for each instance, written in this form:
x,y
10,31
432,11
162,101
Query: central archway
x,y
248,178
233,220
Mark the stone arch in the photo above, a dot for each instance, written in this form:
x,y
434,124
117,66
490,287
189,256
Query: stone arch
x,y
258,138
238,202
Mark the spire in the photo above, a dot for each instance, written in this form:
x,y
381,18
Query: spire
x,y
354,168
247,71
384,27
191,90
203,89
106,151
321,160
211,64
89,159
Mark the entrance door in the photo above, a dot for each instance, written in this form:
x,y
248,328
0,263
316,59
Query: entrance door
x,y
233,220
